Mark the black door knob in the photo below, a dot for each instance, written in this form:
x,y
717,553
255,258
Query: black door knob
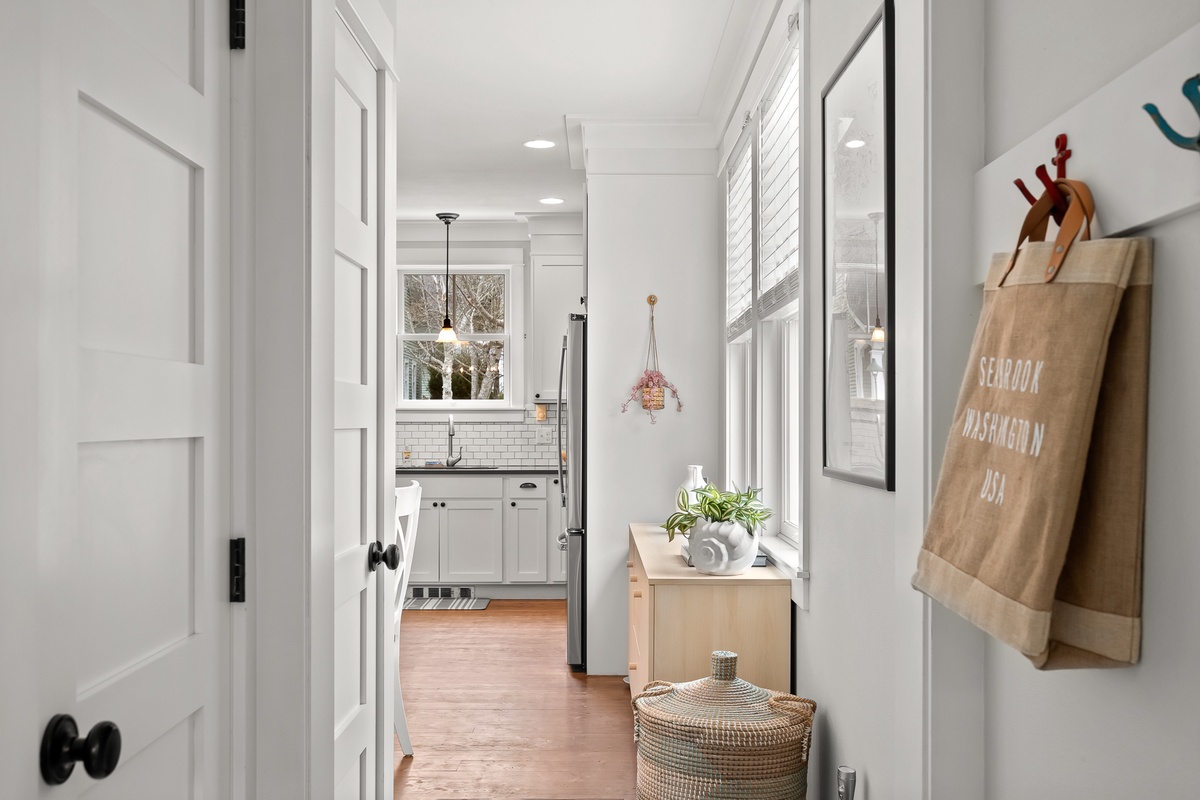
x,y
514,505
62,747
378,554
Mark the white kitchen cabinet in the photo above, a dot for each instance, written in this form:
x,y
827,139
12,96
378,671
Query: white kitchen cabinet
x,y
427,550
559,284
459,540
472,541
477,530
525,541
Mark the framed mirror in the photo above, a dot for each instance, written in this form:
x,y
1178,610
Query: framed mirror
x,y
858,192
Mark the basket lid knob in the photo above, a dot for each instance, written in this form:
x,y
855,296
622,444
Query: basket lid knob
x,y
724,665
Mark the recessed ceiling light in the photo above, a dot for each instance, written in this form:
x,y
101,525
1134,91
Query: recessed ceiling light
x,y
854,143
539,144
551,201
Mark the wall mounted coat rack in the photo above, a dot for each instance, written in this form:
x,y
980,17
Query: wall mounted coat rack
x,y
1137,180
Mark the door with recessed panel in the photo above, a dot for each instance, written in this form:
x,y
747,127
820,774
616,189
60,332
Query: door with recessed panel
x,y
364,561
134,423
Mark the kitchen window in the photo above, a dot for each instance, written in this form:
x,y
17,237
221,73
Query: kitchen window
x,y
763,191
483,369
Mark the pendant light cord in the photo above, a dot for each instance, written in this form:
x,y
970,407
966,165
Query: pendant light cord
x,y
448,269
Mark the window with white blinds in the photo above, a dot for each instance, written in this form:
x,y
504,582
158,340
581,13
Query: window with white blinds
x,y
779,189
739,255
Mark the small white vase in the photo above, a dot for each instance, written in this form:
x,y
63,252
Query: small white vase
x,y
722,548
694,481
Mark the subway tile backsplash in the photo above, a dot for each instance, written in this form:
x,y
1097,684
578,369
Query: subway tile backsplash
x,y
509,445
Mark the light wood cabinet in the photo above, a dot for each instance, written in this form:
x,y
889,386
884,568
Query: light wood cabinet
x,y
678,617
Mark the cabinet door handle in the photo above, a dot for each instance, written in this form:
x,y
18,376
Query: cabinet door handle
x,y
632,667
443,505
629,564
514,504
528,485
633,578
637,593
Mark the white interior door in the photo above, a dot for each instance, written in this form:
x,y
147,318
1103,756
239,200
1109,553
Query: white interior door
x,y
362,615
133,453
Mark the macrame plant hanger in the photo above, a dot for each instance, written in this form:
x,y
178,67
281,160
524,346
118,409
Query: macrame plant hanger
x,y
653,385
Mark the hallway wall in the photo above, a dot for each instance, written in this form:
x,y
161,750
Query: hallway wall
x,y
1127,732
647,234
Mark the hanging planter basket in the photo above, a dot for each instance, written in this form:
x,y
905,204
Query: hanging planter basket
x,y
653,386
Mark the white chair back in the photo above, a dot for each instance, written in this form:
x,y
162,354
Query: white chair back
x,y
408,512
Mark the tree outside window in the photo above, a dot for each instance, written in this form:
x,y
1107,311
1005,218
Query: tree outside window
x,y
476,365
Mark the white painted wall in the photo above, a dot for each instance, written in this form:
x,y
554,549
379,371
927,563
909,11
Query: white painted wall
x,y
647,234
1129,732
1043,58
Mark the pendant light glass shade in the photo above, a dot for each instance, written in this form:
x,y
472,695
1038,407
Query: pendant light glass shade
x,y
447,336
878,334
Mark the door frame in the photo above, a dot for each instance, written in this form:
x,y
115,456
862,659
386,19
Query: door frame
x,y
283,716
21,414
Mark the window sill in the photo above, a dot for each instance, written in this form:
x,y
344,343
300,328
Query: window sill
x,y
460,414
783,554
786,558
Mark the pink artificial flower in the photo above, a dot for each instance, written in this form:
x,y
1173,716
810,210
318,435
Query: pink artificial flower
x,y
652,379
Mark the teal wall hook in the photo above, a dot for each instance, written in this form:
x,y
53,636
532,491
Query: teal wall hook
x,y
1191,90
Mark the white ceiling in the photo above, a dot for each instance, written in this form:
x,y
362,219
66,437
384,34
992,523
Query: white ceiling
x,y
479,77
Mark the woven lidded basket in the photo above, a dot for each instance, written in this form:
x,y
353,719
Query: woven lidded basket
x,y
722,738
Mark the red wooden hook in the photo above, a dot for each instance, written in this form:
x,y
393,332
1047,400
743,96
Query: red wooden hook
x,y
1060,162
1061,155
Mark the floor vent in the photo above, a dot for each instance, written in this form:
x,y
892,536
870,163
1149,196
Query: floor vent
x,y
421,592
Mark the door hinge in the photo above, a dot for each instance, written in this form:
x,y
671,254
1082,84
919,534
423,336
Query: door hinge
x,y
237,570
237,24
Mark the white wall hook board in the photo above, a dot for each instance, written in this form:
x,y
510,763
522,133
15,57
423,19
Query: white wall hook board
x,y
1136,180
1191,90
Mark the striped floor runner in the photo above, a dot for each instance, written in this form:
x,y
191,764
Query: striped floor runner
x,y
446,603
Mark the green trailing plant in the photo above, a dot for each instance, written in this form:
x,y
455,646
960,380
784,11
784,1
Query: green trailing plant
x,y
715,505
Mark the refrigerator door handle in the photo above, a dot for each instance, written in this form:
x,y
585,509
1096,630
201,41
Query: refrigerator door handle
x,y
562,368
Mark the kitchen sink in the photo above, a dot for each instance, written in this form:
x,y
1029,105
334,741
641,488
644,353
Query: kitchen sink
x,y
456,467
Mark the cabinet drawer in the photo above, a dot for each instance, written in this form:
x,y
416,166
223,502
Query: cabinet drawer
x,y
448,486
531,486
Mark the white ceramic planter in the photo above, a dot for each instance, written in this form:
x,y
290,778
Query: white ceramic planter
x,y
722,548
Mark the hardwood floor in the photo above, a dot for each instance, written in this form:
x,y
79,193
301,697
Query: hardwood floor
x,y
494,711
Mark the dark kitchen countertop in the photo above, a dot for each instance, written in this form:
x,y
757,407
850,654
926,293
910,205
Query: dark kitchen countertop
x,y
476,471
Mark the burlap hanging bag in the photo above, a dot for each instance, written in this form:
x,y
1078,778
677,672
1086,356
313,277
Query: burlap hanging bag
x,y
1035,534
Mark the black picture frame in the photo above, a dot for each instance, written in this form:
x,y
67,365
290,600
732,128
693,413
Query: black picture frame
x,y
858,375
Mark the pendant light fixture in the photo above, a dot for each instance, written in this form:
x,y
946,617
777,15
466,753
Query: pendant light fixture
x,y
447,336
878,334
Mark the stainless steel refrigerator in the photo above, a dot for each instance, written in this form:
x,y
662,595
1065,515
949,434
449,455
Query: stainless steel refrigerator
x,y
572,473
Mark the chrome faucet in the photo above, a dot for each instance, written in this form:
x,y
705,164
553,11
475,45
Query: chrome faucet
x,y
451,459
